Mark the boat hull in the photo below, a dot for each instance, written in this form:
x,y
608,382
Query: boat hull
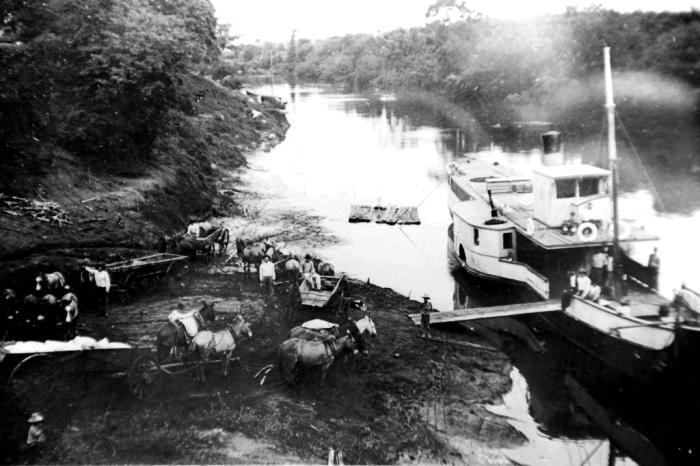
x,y
657,356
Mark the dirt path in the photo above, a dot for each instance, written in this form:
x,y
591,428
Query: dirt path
x,y
410,400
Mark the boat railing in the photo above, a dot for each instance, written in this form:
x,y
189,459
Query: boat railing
x,y
533,278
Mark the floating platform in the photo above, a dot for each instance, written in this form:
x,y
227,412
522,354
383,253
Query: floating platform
x,y
510,310
391,214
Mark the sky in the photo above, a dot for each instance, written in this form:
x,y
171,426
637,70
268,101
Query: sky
x,y
274,20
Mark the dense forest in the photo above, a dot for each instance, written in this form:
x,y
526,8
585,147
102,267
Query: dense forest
x,y
494,67
107,108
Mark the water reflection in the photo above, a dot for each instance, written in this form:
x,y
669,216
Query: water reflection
x,y
345,149
571,397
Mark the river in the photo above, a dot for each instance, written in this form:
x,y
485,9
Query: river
x,y
344,149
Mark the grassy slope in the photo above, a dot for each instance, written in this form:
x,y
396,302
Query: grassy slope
x,y
114,207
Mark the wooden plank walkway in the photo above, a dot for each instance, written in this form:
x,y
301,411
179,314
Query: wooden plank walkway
x,y
509,310
390,214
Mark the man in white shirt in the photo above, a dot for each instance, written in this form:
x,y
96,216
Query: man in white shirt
x,y
585,289
103,284
308,271
267,276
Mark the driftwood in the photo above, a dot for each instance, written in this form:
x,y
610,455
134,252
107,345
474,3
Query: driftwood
x,y
43,211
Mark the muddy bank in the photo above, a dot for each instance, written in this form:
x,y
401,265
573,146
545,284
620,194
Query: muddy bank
x,y
114,210
410,400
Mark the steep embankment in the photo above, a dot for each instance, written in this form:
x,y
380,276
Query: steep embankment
x,y
114,208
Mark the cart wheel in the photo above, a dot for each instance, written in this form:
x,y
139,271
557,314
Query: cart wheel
x,y
142,373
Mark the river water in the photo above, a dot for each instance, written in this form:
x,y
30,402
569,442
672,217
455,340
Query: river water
x,y
344,149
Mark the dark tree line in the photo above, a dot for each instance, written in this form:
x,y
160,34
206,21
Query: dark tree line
x,y
492,64
97,76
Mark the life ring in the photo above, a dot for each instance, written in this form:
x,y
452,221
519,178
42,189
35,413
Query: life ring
x,y
530,226
587,231
624,230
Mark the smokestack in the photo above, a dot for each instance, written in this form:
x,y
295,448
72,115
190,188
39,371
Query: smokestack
x,y
552,148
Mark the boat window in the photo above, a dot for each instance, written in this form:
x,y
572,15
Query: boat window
x,y
588,187
566,188
507,240
476,236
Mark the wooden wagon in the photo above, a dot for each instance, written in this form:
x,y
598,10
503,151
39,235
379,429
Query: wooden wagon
x,y
30,369
130,275
329,297
209,243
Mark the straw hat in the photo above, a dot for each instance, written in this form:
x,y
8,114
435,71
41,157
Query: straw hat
x,y
36,417
425,296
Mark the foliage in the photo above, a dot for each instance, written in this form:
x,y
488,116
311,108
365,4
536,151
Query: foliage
x,y
99,76
494,66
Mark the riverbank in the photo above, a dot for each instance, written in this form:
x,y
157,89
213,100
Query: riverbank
x,y
111,209
409,401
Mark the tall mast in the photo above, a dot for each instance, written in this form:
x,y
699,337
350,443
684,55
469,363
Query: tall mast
x,y
612,158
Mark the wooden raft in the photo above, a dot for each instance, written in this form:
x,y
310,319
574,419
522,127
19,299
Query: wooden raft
x,y
391,214
509,310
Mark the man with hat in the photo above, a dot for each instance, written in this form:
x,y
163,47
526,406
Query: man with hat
x,y
36,435
308,271
425,309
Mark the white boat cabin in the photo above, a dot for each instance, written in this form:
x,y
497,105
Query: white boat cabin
x,y
486,246
562,190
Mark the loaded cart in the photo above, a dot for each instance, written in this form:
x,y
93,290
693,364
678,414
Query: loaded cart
x,y
30,368
329,297
208,242
142,272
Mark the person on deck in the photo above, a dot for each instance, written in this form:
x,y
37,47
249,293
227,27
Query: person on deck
x,y
599,262
425,309
267,276
653,266
308,271
585,288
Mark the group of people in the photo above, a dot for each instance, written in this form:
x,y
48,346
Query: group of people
x,y
306,269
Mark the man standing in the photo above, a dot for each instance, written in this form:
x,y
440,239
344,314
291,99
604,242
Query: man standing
x,y
103,284
653,266
425,309
267,276
598,264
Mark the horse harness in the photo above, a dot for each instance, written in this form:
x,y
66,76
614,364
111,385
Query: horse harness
x,y
181,326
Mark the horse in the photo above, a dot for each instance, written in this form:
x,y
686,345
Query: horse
x,y
292,268
9,297
69,303
222,342
49,282
295,354
171,335
9,311
251,254
329,331
326,268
